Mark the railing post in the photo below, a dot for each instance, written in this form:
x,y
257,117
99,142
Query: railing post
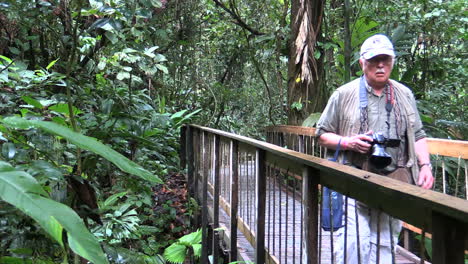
x,y
206,157
261,206
183,147
448,240
189,149
281,139
196,148
234,198
217,168
301,147
310,181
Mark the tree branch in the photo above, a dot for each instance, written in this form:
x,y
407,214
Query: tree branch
x,y
238,19
279,37
6,67
259,71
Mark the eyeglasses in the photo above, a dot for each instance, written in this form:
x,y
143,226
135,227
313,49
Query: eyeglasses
x,y
385,59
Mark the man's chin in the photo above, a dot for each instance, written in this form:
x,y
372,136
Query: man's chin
x,y
382,78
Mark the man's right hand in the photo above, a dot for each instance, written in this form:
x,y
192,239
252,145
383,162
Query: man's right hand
x,y
358,143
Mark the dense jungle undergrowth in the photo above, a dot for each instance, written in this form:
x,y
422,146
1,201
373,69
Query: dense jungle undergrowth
x,y
93,94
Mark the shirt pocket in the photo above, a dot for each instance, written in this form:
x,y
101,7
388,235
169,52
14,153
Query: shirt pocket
x,y
350,125
411,119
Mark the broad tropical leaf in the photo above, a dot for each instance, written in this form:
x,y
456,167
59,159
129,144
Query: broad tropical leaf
x,y
192,238
175,253
311,120
23,191
197,250
84,142
112,199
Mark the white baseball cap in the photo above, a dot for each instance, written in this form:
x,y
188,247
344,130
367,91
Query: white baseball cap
x,y
377,45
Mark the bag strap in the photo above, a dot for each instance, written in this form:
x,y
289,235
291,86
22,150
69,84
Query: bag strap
x,y
363,102
337,151
362,93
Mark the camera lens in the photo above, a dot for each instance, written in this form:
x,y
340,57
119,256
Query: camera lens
x,y
380,158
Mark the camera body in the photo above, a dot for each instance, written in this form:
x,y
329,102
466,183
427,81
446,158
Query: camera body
x,y
379,157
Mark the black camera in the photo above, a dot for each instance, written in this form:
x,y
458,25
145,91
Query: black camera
x,y
379,157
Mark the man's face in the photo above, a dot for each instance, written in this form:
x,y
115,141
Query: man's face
x,y
377,70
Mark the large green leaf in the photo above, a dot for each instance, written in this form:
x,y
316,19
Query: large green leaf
x,y
84,142
311,120
24,192
14,260
175,253
192,238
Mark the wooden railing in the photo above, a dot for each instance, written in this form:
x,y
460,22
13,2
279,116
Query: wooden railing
x,y
446,155
244,177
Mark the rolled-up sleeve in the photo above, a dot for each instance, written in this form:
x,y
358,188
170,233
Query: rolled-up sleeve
x,y
329,120
419,132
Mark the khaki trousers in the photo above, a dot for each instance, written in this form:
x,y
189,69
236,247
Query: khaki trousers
x,y
367,229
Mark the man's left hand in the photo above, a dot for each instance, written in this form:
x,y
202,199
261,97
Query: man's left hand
x,y
425,177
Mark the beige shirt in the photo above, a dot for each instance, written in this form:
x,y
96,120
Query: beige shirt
x,y
332,119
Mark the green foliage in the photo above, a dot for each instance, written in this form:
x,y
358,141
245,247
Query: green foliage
x,y
91,68
84,142
427,245
179,251
311,120
121,224
23,191
123,255
297,106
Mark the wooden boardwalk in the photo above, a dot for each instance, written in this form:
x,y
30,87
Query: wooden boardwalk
x,y
283,221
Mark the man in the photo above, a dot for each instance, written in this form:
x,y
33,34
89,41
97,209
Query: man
x,y
357,110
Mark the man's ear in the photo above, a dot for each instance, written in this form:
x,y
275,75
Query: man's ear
x,y
361,62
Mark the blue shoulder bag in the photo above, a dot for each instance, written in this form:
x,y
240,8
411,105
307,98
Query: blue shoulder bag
x,y
332,204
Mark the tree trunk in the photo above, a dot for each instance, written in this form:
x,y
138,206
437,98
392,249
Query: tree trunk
x,y
306,92
347,42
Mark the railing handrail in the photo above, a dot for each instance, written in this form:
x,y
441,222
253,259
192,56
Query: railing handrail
x,y
437,146
373,189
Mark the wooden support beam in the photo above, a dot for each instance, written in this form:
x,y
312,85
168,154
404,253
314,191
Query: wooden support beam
x,y
449,238
261,206
217,166
310,194
446,147
292,129
216,241
206,169
190,158
234,155
443,147
197,143
183,147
